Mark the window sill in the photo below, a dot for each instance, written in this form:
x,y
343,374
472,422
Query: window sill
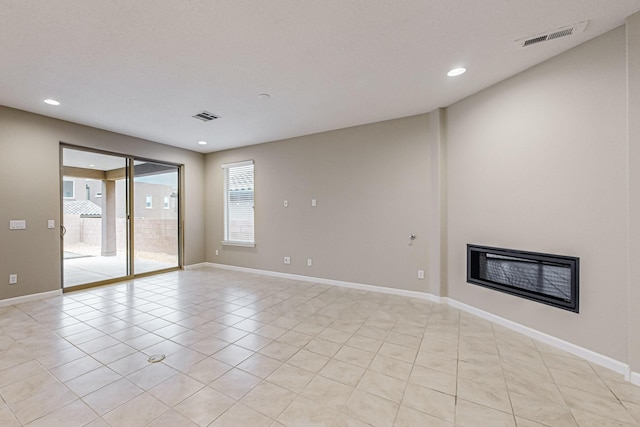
x,y
245,244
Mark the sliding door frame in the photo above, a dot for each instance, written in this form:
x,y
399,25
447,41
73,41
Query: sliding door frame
x,y
130,214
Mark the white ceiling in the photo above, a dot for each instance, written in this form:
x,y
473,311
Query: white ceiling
x,y
144,67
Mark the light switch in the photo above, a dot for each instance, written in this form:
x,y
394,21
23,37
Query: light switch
x,y
17,224
51,223
313,202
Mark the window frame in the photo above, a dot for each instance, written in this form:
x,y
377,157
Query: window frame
x,y
227,239
73,189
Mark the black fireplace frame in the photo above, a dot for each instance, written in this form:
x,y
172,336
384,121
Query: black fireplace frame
x,y
572,263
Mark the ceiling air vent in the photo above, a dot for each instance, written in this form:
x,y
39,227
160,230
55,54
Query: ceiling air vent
x,y
205,116
554,34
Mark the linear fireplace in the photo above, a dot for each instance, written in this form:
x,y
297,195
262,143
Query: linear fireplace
x,y
546,278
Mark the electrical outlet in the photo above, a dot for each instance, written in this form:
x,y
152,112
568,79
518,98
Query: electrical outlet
x,y
286,203
420,274
217,252
309,262
13,279
314,203
287,260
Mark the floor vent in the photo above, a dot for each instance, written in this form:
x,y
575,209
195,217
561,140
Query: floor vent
x,y
552,35
205,116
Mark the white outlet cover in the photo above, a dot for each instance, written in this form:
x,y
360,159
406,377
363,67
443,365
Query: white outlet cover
x,y
309,262
286,203
313,202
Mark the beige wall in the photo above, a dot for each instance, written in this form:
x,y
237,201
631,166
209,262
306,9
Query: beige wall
x,y
30,190
370,186
633,75
538,163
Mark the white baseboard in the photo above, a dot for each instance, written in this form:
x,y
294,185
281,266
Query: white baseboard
x,y
27,298
591,356
342,284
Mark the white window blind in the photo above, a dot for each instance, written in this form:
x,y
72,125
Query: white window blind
x,y
238,203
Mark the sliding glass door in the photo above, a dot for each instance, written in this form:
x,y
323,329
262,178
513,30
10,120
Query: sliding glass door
x,y
155,237
120,217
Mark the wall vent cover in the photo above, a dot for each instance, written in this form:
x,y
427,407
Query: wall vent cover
x,y
553,34
205,116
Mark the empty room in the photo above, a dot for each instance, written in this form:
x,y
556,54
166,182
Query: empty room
x,y
332,213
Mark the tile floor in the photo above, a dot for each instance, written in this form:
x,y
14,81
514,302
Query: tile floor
x,y
244,350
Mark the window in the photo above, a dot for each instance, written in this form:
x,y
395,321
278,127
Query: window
x,y
238,203
68,189
166,202
148,202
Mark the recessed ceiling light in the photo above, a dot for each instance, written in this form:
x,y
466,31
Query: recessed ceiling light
x,y
92,165
264,96
51,102
456,72
202,142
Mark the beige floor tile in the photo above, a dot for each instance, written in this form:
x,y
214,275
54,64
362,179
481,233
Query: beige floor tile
x,y
22,389
334,335
342,372
268,399
306,413
597,404
589,419
241,415
408,417
92,381
7,419
633,409
371,409
291,377
75,368
436,380
625,391
323,347
129,364
328,392
469,414
382,385
111,396
295,339
308,360
57,358
279,351
172,419
523,422
139,411
235,383
209,345
75,414
111,354
364,343
175,389
232,355
437,362
435,403
207,370
586,382
398,352
151,375
354,356
40,404
183,359
204,406
491,395
253,342
541,410
259,365
348,353
392,367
